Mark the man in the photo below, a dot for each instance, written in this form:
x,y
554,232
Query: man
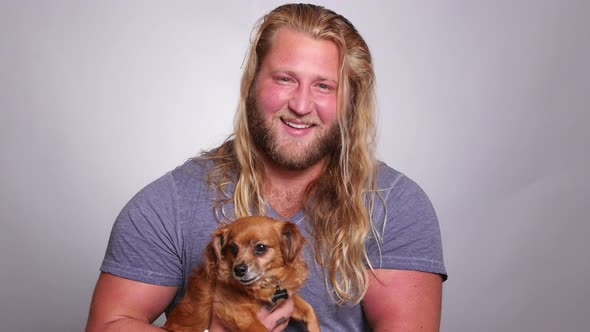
x,y
302,150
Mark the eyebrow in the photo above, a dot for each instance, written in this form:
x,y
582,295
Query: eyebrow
x,y
292,73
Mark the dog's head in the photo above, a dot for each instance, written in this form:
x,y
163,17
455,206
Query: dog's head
x,y
248,249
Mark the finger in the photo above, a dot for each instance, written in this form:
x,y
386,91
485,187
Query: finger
x,y
284,308
276,318
215,325
281,324
282,320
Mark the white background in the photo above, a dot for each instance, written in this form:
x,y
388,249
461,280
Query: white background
x,y
483,103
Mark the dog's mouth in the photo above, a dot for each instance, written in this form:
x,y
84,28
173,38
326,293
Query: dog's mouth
x,y
248,279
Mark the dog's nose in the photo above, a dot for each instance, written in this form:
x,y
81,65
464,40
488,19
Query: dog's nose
x,y
240,270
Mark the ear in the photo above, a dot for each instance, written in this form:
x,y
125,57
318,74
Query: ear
x,y
213,251
292,241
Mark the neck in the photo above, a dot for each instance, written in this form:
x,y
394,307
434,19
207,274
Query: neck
x,y
285,189
286,178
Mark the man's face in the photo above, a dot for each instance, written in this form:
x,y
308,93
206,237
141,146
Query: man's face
x,y
293,118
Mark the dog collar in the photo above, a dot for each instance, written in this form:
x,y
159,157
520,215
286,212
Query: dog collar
x,y
279,294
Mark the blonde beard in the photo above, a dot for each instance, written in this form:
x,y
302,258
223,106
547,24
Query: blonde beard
x,y
265,139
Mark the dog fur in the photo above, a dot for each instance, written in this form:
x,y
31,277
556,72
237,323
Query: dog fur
x,y
246,262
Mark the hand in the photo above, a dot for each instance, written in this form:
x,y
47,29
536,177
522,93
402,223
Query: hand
x,y
274,321
215,325
278,319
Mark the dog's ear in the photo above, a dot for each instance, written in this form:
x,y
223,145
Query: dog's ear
x,y
292,241
213,254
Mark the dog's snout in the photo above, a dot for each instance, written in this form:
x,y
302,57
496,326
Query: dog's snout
x,y
240,270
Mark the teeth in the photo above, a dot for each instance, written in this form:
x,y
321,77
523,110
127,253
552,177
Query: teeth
x,y
298,125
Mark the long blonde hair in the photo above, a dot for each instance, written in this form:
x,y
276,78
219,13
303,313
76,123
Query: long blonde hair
x,y
338,203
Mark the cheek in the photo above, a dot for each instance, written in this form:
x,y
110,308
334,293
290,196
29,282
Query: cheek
x,y
271,259
225,267
327,109
269,98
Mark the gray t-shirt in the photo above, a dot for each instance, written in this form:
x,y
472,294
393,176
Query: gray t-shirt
x,y
160,236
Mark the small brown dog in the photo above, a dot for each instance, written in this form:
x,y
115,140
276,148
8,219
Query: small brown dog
x,y
249,264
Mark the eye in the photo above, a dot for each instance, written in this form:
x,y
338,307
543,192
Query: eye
x,y
326,88
284,80
233,248
260,249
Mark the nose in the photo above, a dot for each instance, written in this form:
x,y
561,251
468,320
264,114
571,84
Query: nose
x,y
301,101
240,270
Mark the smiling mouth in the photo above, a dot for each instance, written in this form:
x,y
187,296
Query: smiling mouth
x,y
297,125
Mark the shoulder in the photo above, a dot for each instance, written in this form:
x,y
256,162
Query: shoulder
x,y
387,176
194,169
409,233
188,177
165,192
393,185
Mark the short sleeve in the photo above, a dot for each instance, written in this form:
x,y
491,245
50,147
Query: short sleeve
x,y
407,225
145,241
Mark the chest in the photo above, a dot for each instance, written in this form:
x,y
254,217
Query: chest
x,y
286,203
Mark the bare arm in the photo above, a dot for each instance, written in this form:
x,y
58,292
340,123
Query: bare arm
x,y
403,301
120,304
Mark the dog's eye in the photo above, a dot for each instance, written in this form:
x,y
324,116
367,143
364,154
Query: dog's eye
x,y
260,249
233,248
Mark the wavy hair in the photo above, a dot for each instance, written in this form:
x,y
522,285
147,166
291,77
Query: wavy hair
x,y
338,204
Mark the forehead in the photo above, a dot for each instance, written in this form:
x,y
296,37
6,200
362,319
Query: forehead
x,y
262,230
296,51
